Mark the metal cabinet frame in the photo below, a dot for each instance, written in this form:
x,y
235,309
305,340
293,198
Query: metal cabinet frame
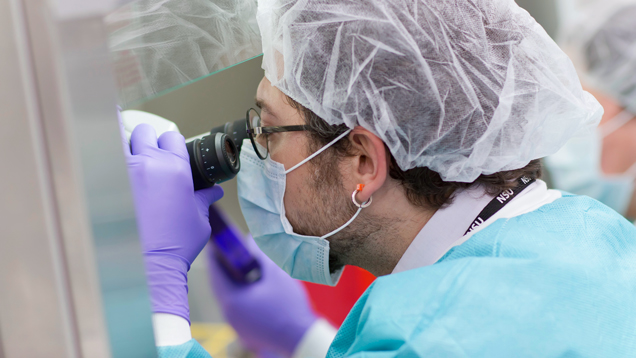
x,y
71,273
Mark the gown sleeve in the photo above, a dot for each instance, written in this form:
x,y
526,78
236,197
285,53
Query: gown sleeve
x,y
190,349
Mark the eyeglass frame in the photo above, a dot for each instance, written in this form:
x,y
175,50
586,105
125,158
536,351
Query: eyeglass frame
x,y
252,132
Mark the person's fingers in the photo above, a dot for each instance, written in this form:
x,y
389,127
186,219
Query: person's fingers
x,y
143,139
209,195
122,132
175,143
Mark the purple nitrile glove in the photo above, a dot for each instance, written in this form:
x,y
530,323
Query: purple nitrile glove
x,y
269,315
172,218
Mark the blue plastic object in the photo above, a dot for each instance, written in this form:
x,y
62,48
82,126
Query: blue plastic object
x,y
240,265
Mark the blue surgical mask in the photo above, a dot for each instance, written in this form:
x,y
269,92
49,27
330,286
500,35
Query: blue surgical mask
x,y
577,168
261,190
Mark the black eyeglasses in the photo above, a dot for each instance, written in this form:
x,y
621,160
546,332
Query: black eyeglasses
x,y
259,135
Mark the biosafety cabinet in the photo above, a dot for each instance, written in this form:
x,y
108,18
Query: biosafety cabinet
x,y
72,282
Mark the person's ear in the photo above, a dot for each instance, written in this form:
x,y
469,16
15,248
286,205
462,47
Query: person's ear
x,y
370,162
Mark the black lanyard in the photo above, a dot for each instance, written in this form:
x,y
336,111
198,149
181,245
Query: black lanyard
x,y
499,202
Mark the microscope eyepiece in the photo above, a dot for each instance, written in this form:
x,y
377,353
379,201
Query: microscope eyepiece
x,y
215,158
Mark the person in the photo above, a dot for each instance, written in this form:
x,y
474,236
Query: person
x,y
404,137
602,164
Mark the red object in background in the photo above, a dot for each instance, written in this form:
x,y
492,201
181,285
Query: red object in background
x,y
334,303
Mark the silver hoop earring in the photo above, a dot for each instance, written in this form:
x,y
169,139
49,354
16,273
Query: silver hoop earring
x,y
355,202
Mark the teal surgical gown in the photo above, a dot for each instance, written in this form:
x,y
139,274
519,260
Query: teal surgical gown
x,y
556,282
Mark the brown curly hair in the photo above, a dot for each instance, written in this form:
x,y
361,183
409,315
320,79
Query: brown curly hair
x,y
423,187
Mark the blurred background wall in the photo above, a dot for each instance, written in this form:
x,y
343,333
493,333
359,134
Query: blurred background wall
x,y
545,12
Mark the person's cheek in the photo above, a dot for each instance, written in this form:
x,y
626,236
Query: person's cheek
x,y
299,200
293,192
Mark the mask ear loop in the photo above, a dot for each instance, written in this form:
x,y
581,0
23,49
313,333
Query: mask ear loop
x,y
615,123
360,207
612,126
318,151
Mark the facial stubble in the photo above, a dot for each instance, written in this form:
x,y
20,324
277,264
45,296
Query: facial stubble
x,y
327,207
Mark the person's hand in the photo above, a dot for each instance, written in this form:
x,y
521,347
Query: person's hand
x,y
270,315
172,218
